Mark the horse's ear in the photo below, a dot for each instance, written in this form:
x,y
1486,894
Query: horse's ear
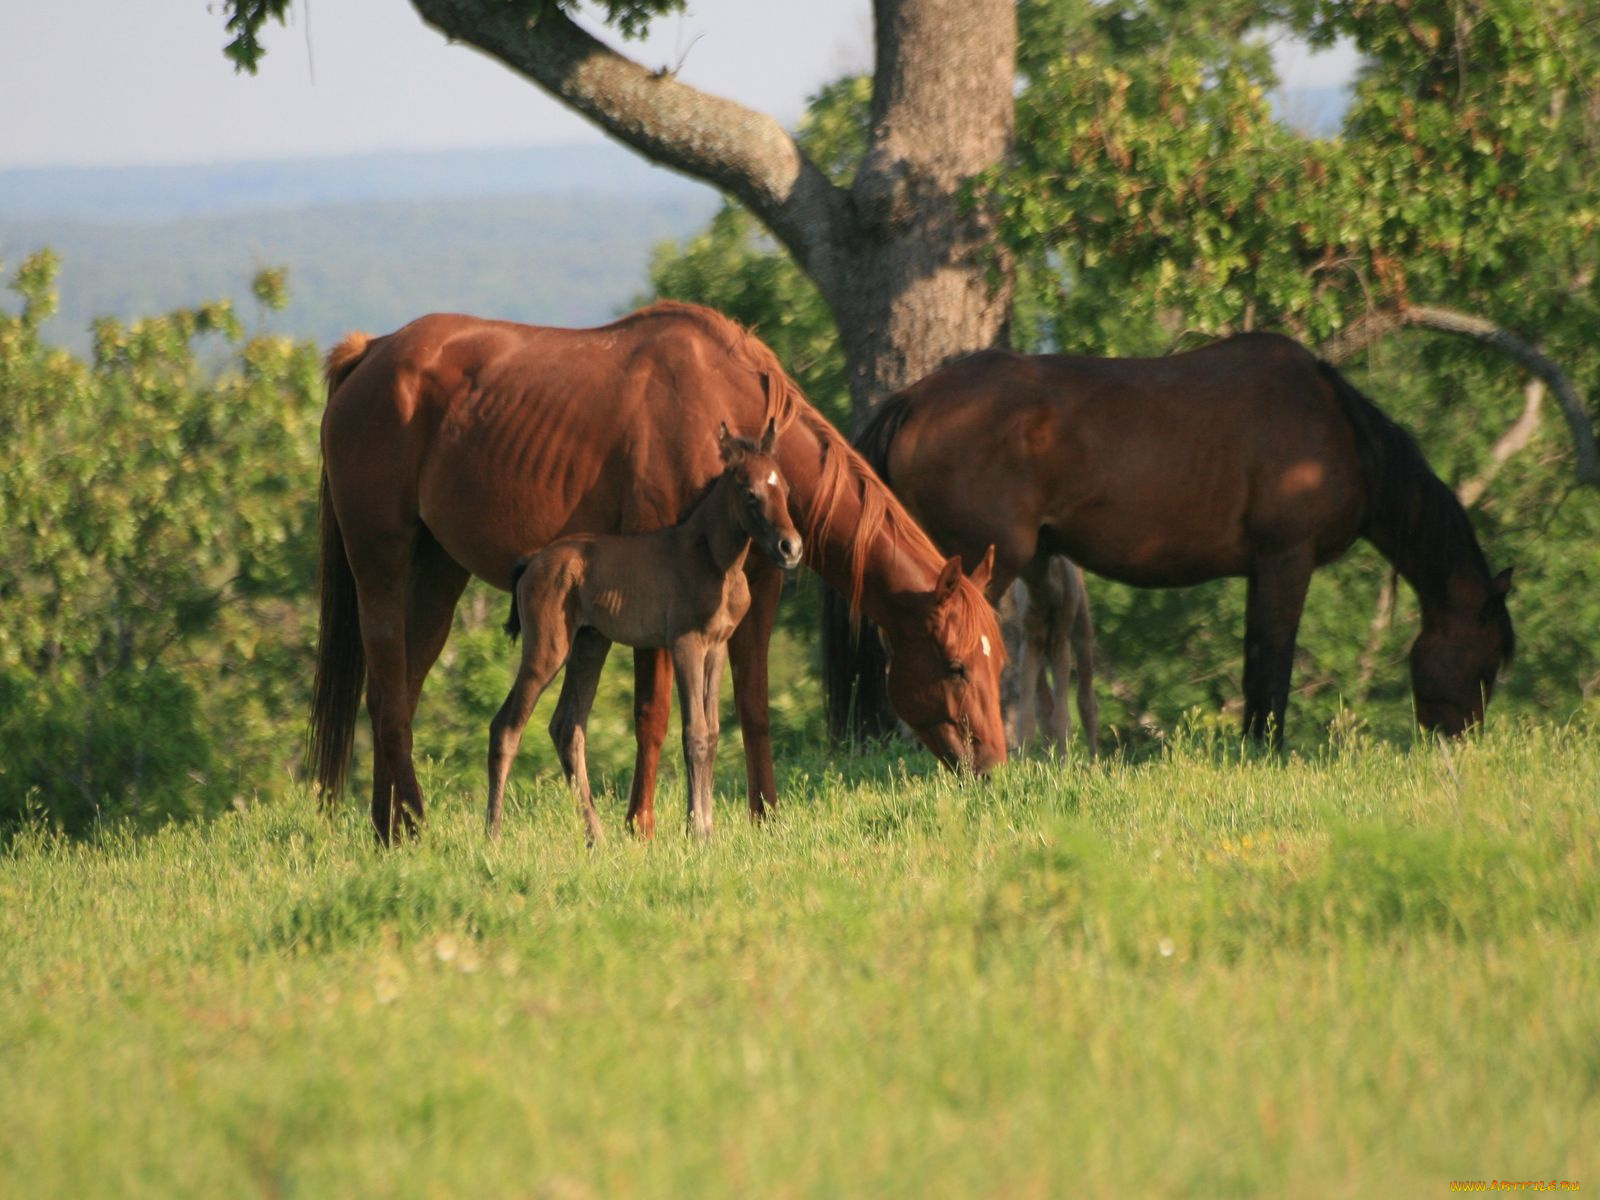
x,y
984,571
1500,585
949,579
769,436
724,441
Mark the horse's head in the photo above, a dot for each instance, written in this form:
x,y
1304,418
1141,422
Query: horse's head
x,y
944,670
1455,659
760,494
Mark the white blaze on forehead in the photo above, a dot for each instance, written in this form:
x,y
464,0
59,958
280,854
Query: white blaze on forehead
x,y
984,639
772,478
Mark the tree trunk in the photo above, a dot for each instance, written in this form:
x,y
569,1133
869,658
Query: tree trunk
x,y
926,278
906,259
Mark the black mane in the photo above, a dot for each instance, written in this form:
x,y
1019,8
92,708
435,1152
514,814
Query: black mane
x,y
1412,516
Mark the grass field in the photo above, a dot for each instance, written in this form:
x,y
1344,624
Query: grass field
x,y
1371,971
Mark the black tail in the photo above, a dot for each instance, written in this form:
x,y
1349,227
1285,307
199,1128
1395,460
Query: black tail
x,y
341,662
513,624
855,665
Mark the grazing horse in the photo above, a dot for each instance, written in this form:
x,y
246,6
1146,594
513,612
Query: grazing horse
x,y
1246,457
682,588
456,445
1055,638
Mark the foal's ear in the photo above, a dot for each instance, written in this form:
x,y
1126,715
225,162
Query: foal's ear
x,y
1500,585
724,442
769,436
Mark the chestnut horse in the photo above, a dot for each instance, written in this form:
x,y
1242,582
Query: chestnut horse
x,y
681,588
1246,457
456,445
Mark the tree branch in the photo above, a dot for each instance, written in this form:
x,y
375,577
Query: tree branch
x,y
1378,324
1512,441
725,144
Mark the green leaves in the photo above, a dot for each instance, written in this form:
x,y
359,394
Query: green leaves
x,y
159,513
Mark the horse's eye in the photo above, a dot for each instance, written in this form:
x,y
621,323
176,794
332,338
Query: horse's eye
x,y
956,668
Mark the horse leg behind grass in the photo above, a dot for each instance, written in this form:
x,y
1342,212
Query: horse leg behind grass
x,y
1056,637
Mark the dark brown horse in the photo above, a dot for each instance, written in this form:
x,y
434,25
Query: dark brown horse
x,y
681,589
456,445
1248,457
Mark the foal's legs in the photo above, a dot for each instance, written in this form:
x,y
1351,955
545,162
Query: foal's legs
x,y
652,709
1030,686
692,661
1275,598
547,639
569,726
1060,655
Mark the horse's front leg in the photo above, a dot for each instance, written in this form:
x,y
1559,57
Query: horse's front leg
x,y
748,650
569,726
1275,597
699,746
652,709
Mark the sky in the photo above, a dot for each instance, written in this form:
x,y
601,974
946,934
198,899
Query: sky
x,y
113,82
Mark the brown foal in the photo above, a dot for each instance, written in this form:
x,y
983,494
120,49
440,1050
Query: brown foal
x,y
682,588
1056,636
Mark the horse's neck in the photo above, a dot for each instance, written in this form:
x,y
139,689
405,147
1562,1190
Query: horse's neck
x,y
1439,584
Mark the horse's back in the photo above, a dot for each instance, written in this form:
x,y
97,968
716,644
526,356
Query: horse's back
x,y
501,437
1153,470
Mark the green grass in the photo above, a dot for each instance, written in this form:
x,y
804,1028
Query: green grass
x,y
1367,973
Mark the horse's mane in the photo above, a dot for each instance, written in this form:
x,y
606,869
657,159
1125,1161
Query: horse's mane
x,y
1411,513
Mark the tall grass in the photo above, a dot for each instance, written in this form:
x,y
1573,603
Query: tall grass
x,y
1372,971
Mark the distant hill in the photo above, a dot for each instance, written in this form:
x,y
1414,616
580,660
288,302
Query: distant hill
x,y
164,192
368,244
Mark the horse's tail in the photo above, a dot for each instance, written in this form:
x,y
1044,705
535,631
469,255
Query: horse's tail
x,y
344,358
341,662
854,660
513,625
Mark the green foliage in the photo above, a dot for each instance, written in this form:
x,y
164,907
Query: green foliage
x,y
1200,975
155,526
247,18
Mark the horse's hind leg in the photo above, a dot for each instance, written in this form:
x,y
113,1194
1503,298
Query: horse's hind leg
x,y
652,709
435,586
569,725
380,566
1274,600
748,649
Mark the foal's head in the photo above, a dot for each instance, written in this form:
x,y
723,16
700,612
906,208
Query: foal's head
x,y
754,487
